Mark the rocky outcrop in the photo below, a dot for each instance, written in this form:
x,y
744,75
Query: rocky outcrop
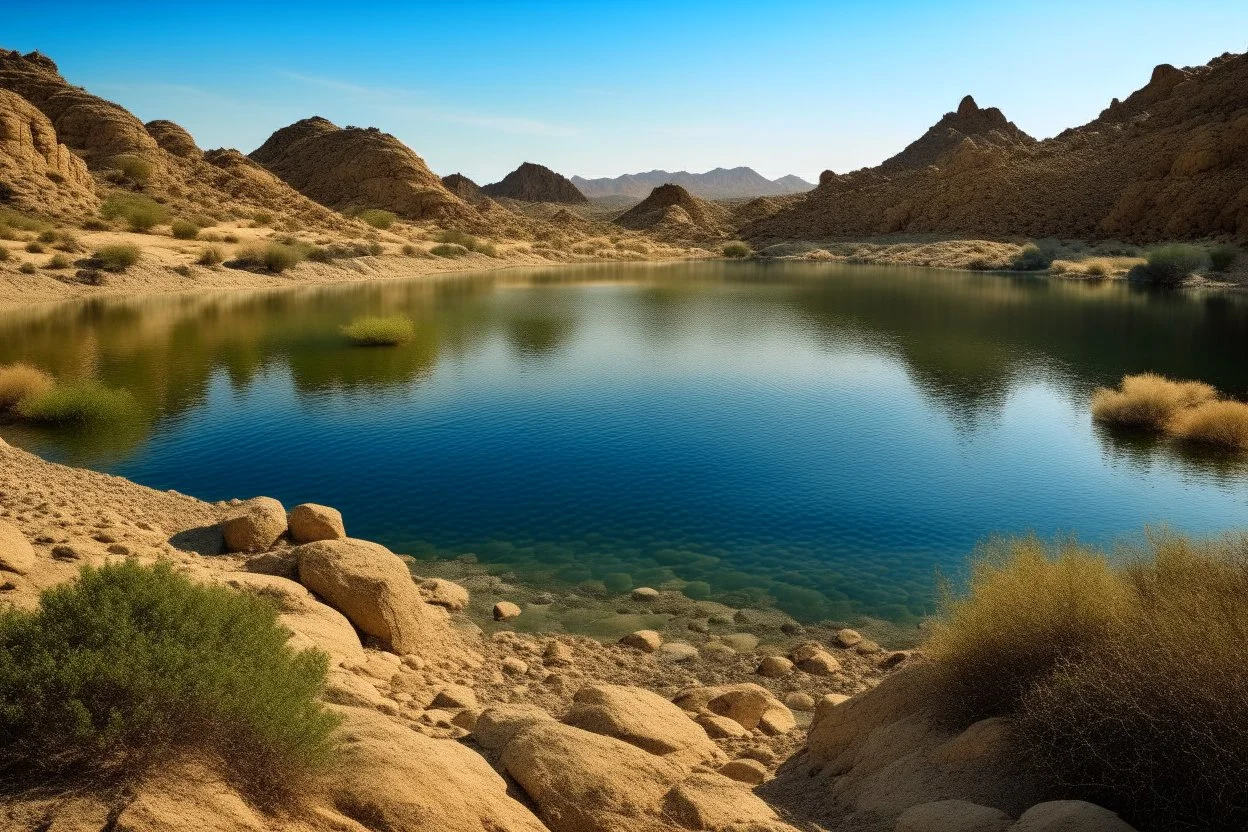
x,y
37,172
173,138
1170,161
670,211
256,527
357,167
309,522
644,719
535,183
463,187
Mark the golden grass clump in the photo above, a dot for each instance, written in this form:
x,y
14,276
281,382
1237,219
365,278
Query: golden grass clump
x,y
19,382
379,331
1148,401
1222,424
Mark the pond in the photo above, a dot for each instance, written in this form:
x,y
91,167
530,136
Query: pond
x,y
822,438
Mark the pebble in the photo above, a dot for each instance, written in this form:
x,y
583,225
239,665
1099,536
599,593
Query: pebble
x,y
505,611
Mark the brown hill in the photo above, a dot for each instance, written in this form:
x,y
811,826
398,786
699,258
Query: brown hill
x,y
535,183
670,211
38,173
99,132
1171,161
463,187
356,167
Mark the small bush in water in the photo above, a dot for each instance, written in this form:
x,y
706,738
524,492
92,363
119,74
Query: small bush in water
x,y
379,331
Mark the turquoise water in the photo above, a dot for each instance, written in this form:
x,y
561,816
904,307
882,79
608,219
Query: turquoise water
x,y
818,437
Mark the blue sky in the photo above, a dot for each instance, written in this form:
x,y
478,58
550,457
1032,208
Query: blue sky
x,y
600,89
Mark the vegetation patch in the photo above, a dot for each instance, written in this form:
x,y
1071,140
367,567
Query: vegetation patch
x,y
184,230
377,218
1170,265
448,250
134,168
466,241
131,666
379,331
1031,259
140,213
210,256
19,382
274,257
117,258
737,249
1222,258
77,402
1189,410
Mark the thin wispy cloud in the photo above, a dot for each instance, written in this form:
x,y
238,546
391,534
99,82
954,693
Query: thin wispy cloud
x,y
398,100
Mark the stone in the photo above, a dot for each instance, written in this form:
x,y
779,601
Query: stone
x,y
1070,816
514,666
16,553
644,593
557,653
745,703
891,660
867,647
444,593
741,642
371,586
720,727
745,770
952,816
646,641
799,701
497,724
505,611
256,528
821,663
455,696
677,651
774,667
777,721
804,651
309,522
847,638
718,651
708,801
642,718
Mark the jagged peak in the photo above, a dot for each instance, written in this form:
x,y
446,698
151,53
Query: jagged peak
x,y
967,106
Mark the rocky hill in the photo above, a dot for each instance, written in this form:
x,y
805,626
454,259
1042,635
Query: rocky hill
x,y
162,158
36,171
463,187
720,183
357,167
536,183
1170,161
672,212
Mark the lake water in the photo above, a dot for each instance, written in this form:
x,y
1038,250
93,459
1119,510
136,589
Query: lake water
x,y
822,438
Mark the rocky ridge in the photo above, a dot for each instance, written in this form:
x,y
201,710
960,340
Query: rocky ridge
x,y
720,183
535,183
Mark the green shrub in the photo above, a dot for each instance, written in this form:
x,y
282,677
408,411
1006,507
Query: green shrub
x,y
203,220
134,168
274,257
47,237
11,219
320,254
77,402
130,667
1170,265
1031,259
379,331
467,241
184,230
408,250
1222,258
737,249
140,213
448,250
34,247
117,257
21,381
210,256
377,218
59,261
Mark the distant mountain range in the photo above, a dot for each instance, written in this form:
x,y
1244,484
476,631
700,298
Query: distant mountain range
x,y
721,183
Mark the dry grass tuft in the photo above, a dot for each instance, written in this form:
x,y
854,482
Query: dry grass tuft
x,y
1222,424
1148,401
19,382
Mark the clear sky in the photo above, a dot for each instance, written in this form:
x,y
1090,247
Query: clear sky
x,y
601,89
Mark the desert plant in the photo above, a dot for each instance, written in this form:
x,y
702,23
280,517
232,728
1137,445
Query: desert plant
x,y
48,236
21,381
274,257
183,230
230,238
737,249
379,331
210,256
131,666
58,261
377,218
409,250
375,249
1222,258
320,254
117,257
92,224
27,268
1031,259
140,213
34,247
1222,424
448,250
4,254
1096,268
1170,265
1148,401
202,220
134,168
262,218
77,402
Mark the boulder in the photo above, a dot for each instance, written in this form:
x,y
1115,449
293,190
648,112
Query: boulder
x,y
847,638
16,553
370,586
641,718
1070,816
455,696
498,724
799,701
774,667
309,523
720,727
256,528
713,802
515,666
646,641
557,653
645,593
677,651
821,663
952,816
444,593
505,611
311,623
745,770
747,704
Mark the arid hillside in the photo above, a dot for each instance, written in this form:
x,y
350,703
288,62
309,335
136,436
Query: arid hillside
x,y
670,211
1170,161
536,183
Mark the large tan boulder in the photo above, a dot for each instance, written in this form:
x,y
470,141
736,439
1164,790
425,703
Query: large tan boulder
x,y
647,641
371,586
16,553
644,719
256,527
497,725
390,777
952,816
309,522
444,593
1070,816
311,623
750,705
714,802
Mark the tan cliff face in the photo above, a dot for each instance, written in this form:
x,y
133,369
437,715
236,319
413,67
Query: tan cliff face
x,y
37,172
1168,162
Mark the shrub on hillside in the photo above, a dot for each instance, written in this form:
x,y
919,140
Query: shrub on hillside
x,y
77,402
1148,401
28,268
34,247
58,261
377,218
467,241
737,249
274,257
134,168
210,256
21,381
4,254
183,230
448,250
1222,258
379,331
1170,265
262,218
117,258
140,213
1031,259
131,666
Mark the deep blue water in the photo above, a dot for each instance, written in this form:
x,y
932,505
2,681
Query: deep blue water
x,y
823,438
